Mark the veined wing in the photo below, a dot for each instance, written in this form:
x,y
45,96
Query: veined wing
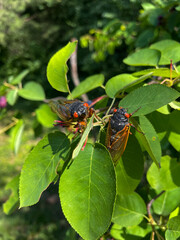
x,y
119,144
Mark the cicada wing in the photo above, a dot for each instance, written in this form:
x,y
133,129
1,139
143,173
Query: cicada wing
x,y
61,110
119,144
108,135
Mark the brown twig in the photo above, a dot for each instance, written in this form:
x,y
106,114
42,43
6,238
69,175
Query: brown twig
x,y
149,206
74,71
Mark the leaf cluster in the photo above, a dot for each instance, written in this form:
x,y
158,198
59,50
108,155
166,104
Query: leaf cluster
x,y
93,191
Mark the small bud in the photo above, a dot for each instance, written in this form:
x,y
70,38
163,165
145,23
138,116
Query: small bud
x,y
3,102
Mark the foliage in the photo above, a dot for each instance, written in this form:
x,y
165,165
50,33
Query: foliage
x,y
135,199
158,20
94,191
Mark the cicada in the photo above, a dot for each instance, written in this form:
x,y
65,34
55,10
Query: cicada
x,y
72,113
118,133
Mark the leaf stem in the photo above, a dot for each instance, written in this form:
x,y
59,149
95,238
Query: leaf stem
x,y
110,106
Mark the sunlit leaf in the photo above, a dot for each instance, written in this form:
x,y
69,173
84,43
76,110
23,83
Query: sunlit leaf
x,y
167,202
18,79
13,202
12,96
143,57
39,169
57,67
16,135
159,72
122,82
165,178
45,116
87,192
148,98
173,229
83,138
32,91
170,50
129,209
87,85
149,139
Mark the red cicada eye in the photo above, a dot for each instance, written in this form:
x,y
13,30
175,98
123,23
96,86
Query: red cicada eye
x,y
75,114
86,104
115,110
127,115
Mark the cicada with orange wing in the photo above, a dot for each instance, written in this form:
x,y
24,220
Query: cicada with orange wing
x,y
118,133
73,113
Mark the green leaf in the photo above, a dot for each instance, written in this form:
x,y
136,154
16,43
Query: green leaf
x,y
57,67
165,178
170,50
32,91
117,232
173,229
18,79
174,213
12,96
145,37
159,72
174,121
130,233
129,209
13,202
150,139
139,231
39,169
175,105
129,169
143,57
167,202
174,139
45,116
87,192
16,135
148,98
83,138
121,83
117,83
87,85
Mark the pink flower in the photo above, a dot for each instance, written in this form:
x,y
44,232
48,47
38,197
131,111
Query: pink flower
x,y
3,102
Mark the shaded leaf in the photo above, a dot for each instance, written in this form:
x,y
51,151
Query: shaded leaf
x,y
39,169
143,57
129,169
32,91
57,67
87,192
129,209
148,98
